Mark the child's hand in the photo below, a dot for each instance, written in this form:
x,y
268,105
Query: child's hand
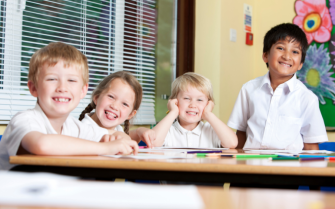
x,y
116,135
146,135
173,106
122,147
208,109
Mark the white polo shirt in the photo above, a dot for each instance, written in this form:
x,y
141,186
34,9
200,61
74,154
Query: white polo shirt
x,y
202,136
88,120
284,119
35,120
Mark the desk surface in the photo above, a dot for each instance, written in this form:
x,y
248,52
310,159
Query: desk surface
x,y
244,173
212,165
252,199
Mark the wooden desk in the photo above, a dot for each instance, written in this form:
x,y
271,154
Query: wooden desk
x,y
253,172
251,199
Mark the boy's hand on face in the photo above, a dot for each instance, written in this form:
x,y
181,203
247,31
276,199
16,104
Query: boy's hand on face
x,y
208,109
173,106
146,135
122,147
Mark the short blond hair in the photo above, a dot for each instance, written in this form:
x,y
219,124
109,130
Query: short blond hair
x,y
53,53
195,80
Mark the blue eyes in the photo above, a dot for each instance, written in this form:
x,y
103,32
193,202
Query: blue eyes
x,y
54,79
199,100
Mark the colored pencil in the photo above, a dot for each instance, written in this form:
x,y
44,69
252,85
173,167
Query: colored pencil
x,y
255,156
210,151
312,158
285,158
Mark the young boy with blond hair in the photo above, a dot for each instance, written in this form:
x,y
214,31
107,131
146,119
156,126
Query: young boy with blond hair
x,y
191,102
58,77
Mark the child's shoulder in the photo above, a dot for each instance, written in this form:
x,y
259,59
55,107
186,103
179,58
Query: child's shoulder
x,y
305,93
253,84
24,115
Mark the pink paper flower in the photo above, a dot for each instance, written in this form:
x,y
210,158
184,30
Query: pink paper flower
x,y
314,19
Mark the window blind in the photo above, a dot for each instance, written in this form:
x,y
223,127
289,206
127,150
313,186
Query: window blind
x,y
115,35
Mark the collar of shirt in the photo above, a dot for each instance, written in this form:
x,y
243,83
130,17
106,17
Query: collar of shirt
x,y
46,120
196,131
291,84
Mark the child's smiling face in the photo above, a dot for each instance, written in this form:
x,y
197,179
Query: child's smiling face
x,y
284,59
114,105
59,89
191,103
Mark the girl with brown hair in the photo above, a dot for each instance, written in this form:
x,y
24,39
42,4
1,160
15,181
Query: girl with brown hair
x,y
116,100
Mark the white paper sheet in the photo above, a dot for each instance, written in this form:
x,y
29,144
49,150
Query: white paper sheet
x,y
289,151
192,148
141,156
177,150
53,191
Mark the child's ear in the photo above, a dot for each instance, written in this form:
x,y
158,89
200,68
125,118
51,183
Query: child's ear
x,y
300,66
84,91
32,88
132,114
95,99
265,57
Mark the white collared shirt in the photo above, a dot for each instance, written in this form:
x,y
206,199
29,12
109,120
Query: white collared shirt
x,y
202,136
88,120
35,120
284,119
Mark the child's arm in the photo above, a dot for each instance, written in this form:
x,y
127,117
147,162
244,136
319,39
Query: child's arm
x,y
242,138
162,128
227,136
311,146
143,134
54,144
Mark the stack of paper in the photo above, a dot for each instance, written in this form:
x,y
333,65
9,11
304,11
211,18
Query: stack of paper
x,y
58,191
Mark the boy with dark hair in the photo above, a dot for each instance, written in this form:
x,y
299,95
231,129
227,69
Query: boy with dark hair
x,y
277,111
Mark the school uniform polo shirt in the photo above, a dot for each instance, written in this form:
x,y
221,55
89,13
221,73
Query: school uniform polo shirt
x,y
35,120
282,119
202,136
88,120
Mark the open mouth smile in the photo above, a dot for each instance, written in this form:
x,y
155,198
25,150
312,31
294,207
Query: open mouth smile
x,y
61,99
111,115
284,64
191,113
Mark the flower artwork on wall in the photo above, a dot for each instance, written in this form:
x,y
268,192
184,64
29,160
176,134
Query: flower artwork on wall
x,y
316,18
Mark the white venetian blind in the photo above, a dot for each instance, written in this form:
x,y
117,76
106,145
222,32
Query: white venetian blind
x,y
115,35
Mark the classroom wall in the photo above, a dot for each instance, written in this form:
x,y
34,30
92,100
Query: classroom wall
x,y
227,64
230,64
